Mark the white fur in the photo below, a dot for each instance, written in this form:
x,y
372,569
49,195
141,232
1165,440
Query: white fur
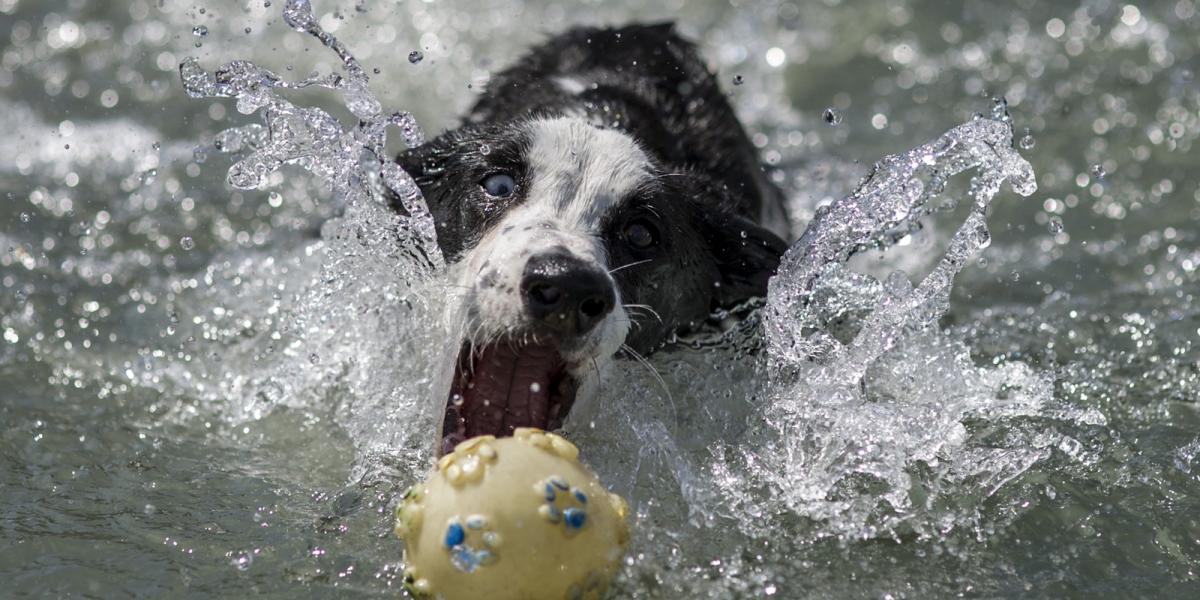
x,y
576,173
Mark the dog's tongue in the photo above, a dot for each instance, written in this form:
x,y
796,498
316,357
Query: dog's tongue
x,y
509,388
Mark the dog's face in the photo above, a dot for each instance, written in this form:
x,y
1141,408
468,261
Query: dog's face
x,y
569,242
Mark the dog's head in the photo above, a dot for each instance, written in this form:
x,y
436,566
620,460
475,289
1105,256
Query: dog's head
x,y
571,241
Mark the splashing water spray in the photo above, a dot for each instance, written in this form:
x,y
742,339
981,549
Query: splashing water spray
x,y
819,431
352,162
846,422
514,518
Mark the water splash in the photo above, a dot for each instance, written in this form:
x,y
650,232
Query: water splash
x,y
857,414
376,298
353,162
885,207
866,430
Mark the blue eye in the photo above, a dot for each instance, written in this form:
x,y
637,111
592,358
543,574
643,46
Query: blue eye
x,y
499,185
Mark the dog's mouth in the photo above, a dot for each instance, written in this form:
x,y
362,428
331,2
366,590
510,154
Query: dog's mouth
x,y
505,385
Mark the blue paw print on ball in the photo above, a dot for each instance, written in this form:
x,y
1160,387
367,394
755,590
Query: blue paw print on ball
x,y
463,555
563,504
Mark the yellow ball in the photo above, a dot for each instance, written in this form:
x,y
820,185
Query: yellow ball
x,y
511,518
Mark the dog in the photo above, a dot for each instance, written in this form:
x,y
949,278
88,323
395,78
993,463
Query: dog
x,y
604,177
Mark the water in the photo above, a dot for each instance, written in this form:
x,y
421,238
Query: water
x,y
218,353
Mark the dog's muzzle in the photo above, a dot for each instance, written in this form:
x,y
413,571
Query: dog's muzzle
x,y
521,379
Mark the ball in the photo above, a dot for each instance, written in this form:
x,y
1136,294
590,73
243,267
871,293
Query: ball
x,y
511,518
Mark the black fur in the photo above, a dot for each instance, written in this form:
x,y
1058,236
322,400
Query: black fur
x,y
707,201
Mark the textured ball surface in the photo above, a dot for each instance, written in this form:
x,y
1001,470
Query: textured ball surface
x,y
511,518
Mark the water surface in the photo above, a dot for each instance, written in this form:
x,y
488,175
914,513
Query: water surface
x,y
207,395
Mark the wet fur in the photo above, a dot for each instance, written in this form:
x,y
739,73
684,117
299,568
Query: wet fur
x,y
689,166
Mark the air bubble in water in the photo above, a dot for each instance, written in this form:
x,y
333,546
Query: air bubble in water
x,y
738,80
1098,171
415,57
187,243
1055,225
200,30
832,116
1026,142
25,218
485,149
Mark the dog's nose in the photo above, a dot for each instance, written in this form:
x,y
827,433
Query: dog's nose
x,y
565,293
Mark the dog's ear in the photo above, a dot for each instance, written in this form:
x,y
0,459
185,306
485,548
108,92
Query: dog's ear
x,y
746,256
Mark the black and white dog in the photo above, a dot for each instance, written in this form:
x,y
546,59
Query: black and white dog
x,y
602,176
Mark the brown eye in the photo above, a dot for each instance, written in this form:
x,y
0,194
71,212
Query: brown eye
x,y
641,234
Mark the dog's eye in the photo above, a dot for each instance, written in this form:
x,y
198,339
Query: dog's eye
x,y
641,234
499,185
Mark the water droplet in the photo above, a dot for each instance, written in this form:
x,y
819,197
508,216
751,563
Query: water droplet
x,y
738,80
200,30
242,560
187,243
248,30
298,15
25,217
832,116
1055,225
314,358
1027,142
485,149
1098,171
415,57
1000,110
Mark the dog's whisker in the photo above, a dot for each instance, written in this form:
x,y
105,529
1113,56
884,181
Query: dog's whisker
x,y
629,320
646,308
641,359
632,264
